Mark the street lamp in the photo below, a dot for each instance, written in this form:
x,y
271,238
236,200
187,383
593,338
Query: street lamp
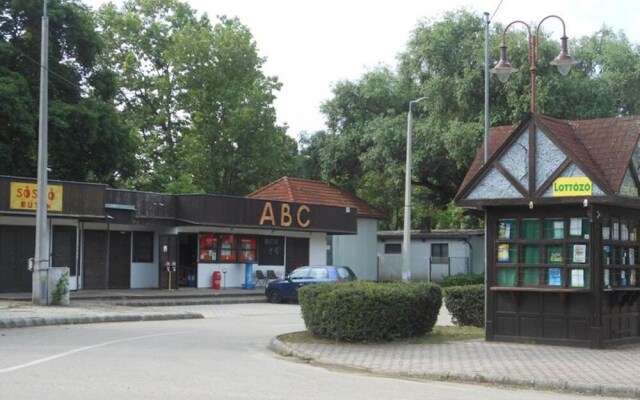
x,y
406,239
563,61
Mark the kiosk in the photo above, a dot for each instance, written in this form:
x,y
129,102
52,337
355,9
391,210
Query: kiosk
x,y
562,216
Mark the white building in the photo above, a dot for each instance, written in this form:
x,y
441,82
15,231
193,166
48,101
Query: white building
x,y
434,254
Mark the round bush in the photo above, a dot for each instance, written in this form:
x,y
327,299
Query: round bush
x,y
466,304
368,311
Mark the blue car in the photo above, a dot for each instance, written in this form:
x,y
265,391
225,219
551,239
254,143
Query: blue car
x,y
287,288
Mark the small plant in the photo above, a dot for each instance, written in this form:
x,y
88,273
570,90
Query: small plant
x,y
62,289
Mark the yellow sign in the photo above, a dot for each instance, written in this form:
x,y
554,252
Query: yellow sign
x,y
572,186
24,196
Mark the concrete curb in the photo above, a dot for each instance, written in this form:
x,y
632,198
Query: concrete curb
x,y
188,302
281,348
93,319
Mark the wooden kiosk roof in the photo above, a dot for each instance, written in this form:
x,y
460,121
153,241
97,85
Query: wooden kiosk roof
x,y
604,149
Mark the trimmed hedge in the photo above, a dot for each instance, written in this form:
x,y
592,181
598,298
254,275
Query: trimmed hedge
x,y
462,280
466,304
370,312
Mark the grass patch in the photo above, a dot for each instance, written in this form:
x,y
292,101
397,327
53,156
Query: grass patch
x,y
440,335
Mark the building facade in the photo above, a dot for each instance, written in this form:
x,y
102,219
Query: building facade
x,y
356,251
118,239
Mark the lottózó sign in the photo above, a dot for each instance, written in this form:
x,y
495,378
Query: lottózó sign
x,y
572,186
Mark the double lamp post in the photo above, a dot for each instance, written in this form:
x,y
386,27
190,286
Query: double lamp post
x,y
503,70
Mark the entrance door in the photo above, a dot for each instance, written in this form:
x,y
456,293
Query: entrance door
x,y
64,248
95,260
107,260
168,260
17,245
120,260
297,253
187,259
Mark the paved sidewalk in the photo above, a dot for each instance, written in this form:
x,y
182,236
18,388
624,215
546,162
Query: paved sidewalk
x,y
613,372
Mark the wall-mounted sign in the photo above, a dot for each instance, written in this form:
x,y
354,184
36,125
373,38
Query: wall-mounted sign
x,y
24,196
285,216
572,186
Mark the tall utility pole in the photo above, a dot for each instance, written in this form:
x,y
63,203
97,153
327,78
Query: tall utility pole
x,y
406,238
40,281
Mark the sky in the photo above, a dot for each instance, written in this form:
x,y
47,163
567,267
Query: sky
x,y
311,45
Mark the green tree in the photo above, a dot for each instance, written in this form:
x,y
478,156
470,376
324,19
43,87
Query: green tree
x,y
364,147
82,122
197,97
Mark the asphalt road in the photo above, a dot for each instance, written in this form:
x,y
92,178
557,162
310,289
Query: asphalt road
x,y
224,356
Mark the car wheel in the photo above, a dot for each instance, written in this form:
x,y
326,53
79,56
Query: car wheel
x,y
274,296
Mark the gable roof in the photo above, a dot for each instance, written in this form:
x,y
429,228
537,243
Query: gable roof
x,y
603,148
297,190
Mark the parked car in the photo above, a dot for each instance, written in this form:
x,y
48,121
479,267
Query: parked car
x,y
287,289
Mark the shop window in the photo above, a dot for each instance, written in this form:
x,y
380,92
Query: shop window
x,y
228,248
208,247
392,248
530,229
247,249
271,250
554,229
554,253
142,247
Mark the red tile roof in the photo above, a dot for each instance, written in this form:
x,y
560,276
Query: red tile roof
x,y
602,147
312,192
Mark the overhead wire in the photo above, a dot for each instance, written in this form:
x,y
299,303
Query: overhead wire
x,y
25,55
496,11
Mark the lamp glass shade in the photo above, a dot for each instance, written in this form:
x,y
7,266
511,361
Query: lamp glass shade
x,y
563,61
503,71
503,68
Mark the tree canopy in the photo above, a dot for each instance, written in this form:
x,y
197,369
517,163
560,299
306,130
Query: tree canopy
x,y
363,148
197,96
87,140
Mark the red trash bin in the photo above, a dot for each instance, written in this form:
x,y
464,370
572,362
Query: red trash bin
x,y
217,276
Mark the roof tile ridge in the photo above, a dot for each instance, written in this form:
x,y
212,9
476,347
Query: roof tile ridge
x,y
265,187
287,183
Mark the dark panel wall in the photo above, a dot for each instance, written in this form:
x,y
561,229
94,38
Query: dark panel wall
x,y
120,260
297,253
95,260
17,245
78,198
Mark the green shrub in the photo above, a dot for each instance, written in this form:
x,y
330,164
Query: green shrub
x,y
61,290
466,304
462,280
368,311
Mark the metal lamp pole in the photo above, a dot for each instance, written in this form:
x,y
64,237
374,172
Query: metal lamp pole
x,y
40,280
563,61
406,238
